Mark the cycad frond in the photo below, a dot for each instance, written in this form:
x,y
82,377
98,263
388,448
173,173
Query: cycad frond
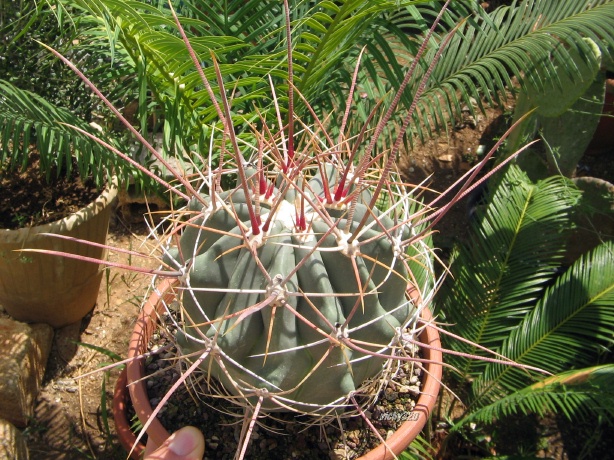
x,y
516,245
572,393
250,20
26,117
574,316
534,41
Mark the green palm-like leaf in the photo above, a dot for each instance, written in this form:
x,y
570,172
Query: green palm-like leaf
x,y
26,117
505,294
564,329
534,41
516,245
149,36
572,393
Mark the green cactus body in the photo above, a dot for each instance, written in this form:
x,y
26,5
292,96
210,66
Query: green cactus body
x,y
288,350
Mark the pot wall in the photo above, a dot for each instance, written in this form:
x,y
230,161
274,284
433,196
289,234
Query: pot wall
x,y
51,289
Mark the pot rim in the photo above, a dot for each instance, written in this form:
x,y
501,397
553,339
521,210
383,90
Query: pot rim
x,y
67,223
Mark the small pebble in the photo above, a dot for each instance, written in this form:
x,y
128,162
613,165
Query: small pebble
x,y
414,389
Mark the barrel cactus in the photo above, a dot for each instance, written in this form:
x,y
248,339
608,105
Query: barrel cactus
x,y
281,304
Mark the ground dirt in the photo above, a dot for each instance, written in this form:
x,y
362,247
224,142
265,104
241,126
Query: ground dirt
x,y
70,420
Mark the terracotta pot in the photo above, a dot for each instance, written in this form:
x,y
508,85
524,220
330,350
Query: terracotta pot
x,y
55,290
157,434
126,436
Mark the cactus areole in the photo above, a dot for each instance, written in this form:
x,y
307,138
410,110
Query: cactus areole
x,y
275,309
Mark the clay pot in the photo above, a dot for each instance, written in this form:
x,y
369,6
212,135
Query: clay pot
x,y
157,434
49,289
126,436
